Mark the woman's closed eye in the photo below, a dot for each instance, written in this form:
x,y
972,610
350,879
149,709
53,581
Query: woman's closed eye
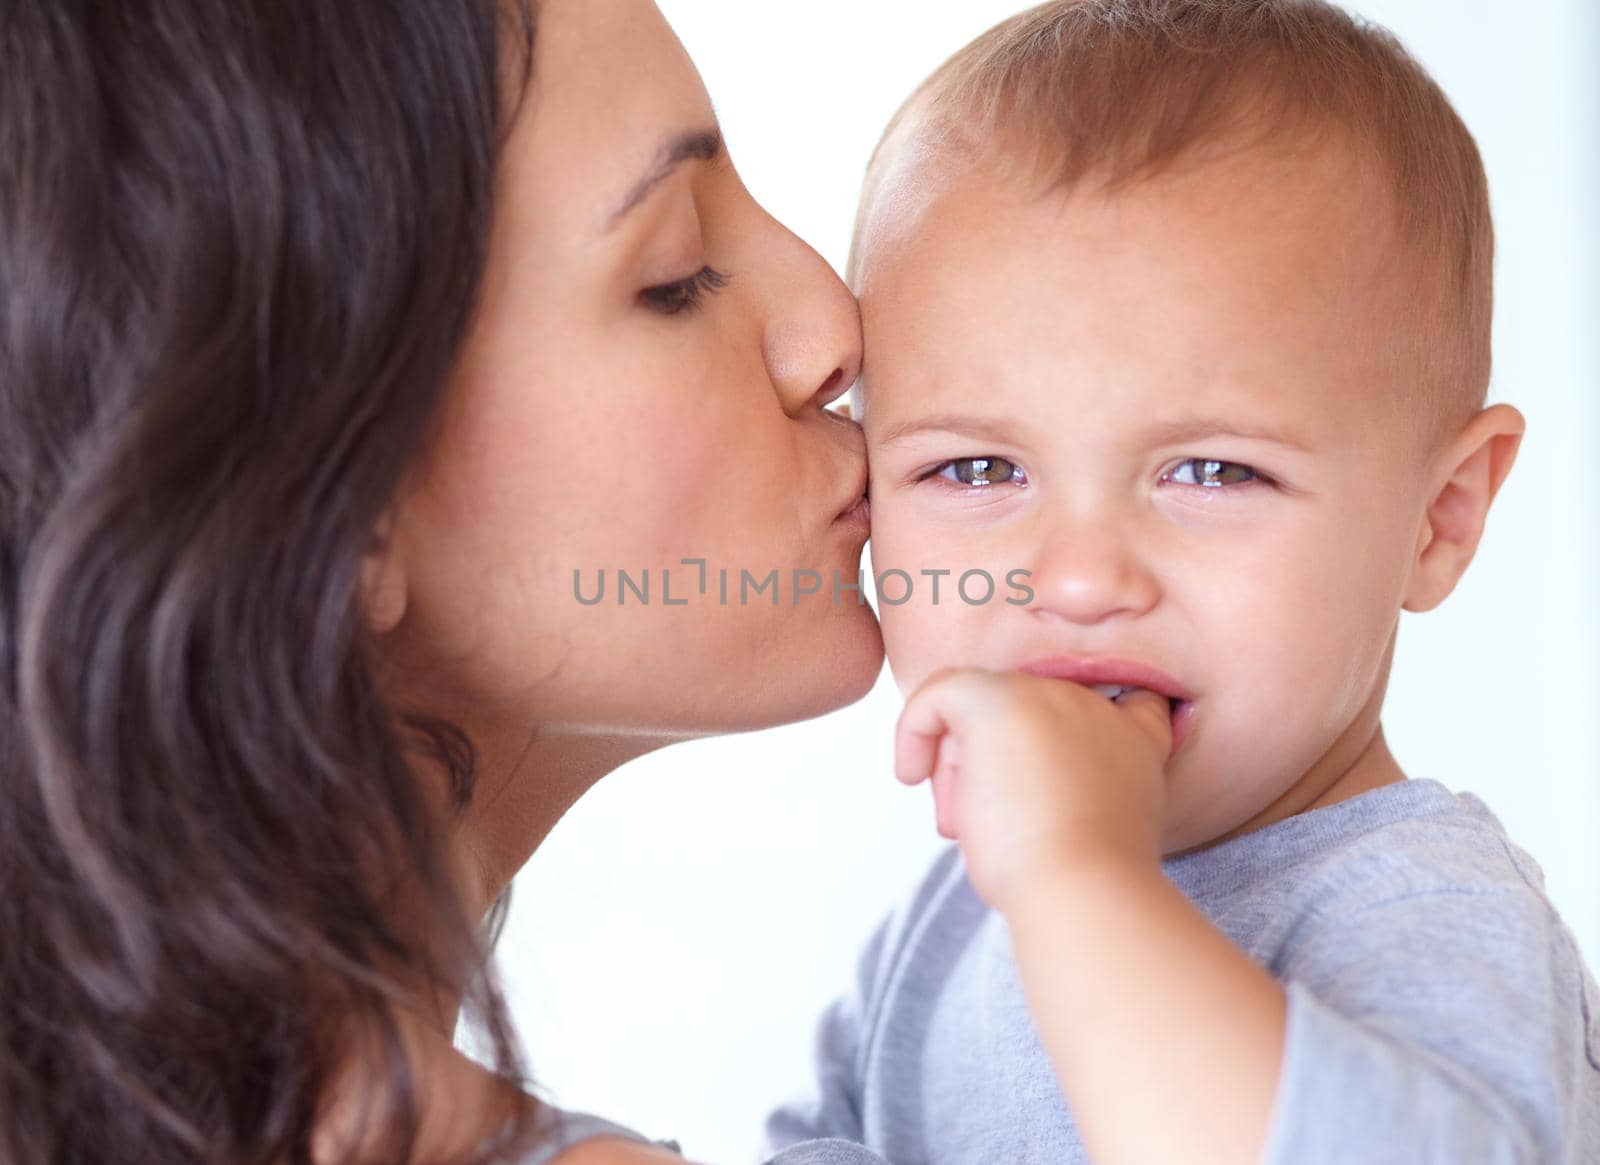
x,y
1210,474
979,472
684,295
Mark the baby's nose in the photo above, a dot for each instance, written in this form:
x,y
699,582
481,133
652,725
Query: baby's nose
x,y
1088,575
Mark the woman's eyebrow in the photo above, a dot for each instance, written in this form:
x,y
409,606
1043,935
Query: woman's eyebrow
x,y
703,145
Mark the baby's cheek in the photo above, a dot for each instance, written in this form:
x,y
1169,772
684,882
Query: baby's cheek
x,y
929,622
1331,647
920,637
1280,730
912,642
895,547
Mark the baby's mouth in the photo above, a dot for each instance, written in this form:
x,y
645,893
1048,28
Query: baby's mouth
x,y
1176,708
1116,691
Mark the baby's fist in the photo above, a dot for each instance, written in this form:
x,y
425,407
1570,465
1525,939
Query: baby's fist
x,y
1032,775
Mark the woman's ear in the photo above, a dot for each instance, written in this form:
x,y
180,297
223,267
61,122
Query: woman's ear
x,y
1471,469
383,580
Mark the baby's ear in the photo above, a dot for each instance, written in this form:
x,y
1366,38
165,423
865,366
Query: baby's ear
x,y
1471,469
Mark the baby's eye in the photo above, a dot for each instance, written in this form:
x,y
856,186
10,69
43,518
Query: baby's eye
x,y
981,472
1212,474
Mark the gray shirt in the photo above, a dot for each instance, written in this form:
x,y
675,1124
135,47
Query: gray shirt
x,y
1438,1008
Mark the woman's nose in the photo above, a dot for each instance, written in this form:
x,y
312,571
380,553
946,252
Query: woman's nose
x,y
812,341
1089,572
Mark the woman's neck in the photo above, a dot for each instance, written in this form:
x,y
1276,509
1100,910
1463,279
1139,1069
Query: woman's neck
x,y
524,786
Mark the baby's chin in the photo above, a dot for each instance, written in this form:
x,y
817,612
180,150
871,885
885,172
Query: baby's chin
x,y
1187,831
1208,803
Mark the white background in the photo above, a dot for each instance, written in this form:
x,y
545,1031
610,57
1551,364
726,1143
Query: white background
x,y
673,941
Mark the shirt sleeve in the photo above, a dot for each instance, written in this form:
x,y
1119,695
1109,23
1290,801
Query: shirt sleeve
x,y
830,1151
832,1110
1444,1026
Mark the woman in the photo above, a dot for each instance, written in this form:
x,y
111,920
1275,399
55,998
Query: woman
x,y
302,451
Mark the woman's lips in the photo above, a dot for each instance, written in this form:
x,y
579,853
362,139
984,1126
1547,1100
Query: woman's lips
x,y
859,514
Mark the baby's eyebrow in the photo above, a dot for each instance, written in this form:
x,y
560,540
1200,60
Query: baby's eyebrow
x,y
1180,429
1174,431
978,428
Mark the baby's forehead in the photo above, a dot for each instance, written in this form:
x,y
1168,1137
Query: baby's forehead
x,y
1268,236
1298,201
1038,396
1072,92
1266,287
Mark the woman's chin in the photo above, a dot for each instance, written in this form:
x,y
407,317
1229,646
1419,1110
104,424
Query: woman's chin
x,y
806,673
834,667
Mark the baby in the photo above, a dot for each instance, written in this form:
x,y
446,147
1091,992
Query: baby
x,y
1177,319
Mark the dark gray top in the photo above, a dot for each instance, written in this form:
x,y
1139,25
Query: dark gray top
x,y
565,1129
569,1128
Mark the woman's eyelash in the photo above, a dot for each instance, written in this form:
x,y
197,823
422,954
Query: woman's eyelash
x,y
671,299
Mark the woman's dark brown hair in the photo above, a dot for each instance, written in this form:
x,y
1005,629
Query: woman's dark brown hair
x,y
239,246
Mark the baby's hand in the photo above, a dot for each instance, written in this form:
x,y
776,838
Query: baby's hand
x,y
1033,775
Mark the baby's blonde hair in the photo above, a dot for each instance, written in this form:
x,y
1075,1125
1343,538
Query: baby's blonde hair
x,y
1115,91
